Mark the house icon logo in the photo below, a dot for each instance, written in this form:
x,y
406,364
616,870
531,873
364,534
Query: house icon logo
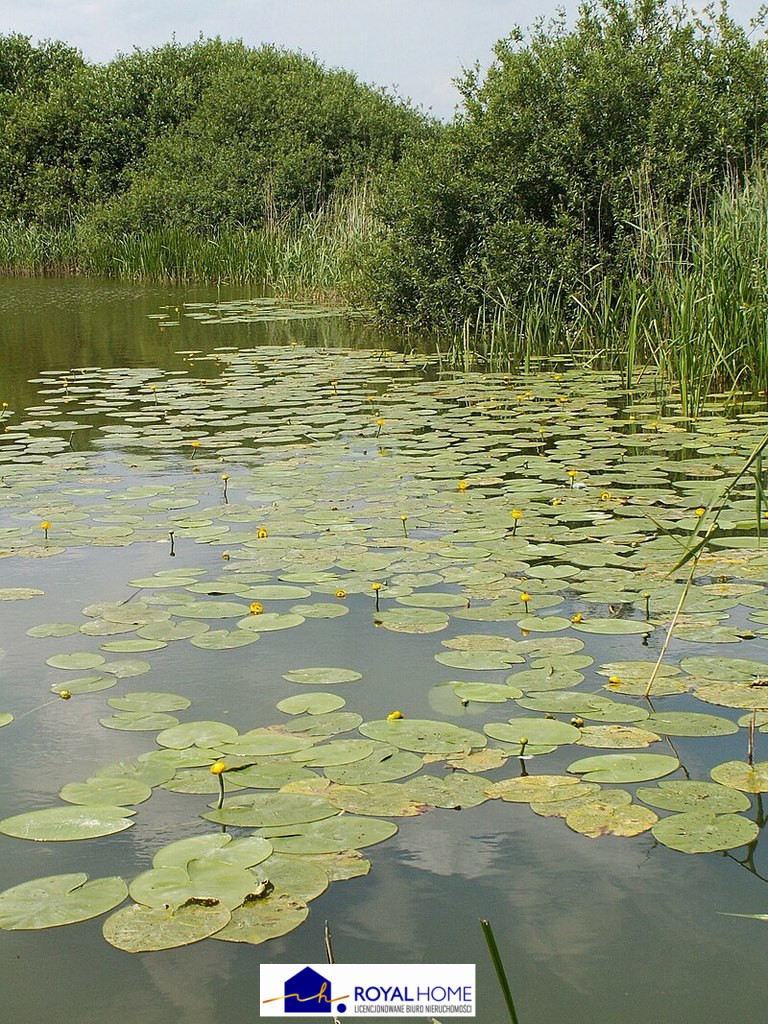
x,y
309,992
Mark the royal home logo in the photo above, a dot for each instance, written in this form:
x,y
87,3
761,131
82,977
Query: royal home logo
x,y
376,990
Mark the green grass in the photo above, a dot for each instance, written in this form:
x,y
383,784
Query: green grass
x,y
315,257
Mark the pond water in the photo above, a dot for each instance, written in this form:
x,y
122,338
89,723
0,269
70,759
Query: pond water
x,y
237,491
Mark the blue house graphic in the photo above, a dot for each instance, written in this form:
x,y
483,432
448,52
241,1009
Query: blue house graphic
x,y
307,992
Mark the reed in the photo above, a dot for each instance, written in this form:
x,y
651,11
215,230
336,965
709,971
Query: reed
x,y
316,255
692,303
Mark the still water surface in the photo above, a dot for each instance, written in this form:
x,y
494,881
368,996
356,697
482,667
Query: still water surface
x,y
591,931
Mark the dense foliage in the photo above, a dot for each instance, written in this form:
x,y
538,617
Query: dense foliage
x,y
201,137
537,181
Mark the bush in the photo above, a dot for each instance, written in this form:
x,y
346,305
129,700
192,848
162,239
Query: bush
x,y
537,180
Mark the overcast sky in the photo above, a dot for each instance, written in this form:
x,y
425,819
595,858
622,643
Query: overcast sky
x,y
417,46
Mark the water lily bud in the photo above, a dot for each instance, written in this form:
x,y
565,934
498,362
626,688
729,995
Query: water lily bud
x,y
218,767
393,716
578,722
65,694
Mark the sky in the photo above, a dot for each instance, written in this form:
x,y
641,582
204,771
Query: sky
x,y
414,46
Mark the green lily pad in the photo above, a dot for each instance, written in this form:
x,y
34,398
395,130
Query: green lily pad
x,y
85,684
543,624
138,929
604,768
296,877
335,753
386,764
388,799
689,723
698,832
77,660
149,701
742,776
5,718
60,824
117,791
612,627
424,736
597,819
265,810
344,832
182,851
270,776
209,610
530,788
486,693
692,795
56,629
269,621
138,721
58,900
265,743
263,919
616,736
311,704
537,731
452,791
224,639
322,676
182,629
199,734
478,661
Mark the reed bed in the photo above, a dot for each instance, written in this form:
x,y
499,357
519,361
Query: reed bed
x,y
692,304
314,256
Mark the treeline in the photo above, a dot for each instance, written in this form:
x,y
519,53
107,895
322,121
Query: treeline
x,y
596,172
203,137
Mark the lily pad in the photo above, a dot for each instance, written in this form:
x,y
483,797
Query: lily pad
x,y
116,791
595,819
388,799
264,810
138,721
138,929
692,795
344,832
198,734
60,824
424,736
689,723
263,919
537,731
311,704
322,676
698,832
149,701
624,767
58,900
77,660
742,776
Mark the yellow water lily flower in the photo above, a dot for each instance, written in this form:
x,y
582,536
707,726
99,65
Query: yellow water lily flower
x,y
516,513
340,593
699,511
525,597
462,485
393,716
65,694
577,617
218,767
255,607
261,533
